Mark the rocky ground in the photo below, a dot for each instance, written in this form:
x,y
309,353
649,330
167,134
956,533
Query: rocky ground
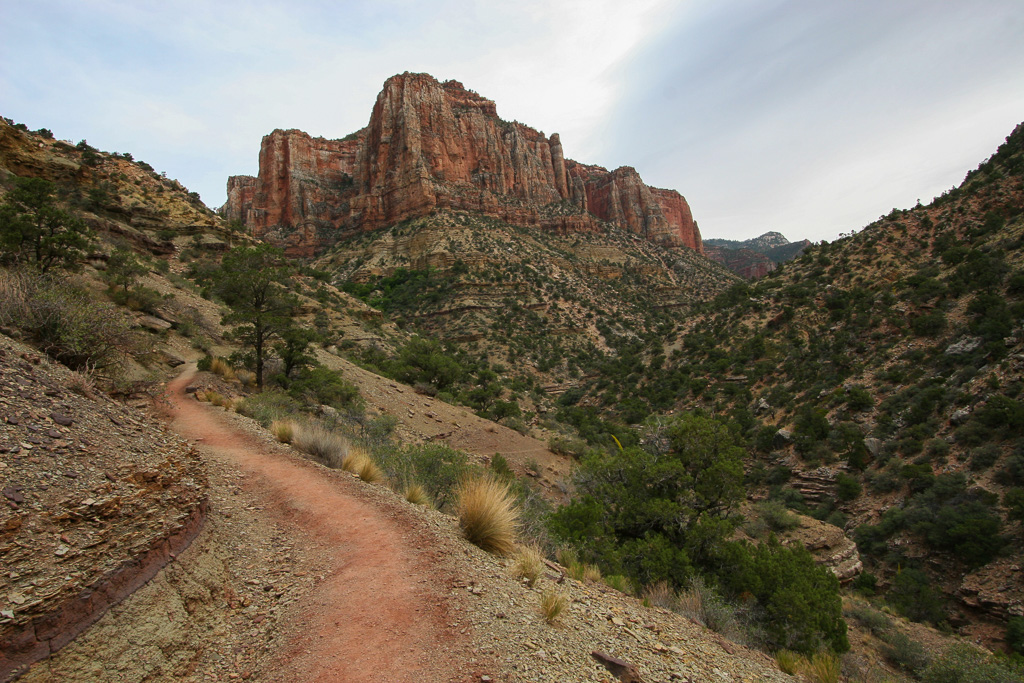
x,y
96,497
250,599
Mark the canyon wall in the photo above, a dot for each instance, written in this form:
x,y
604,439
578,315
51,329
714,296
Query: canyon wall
x,y
430,146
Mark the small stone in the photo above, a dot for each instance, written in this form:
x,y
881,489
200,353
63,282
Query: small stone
x,y
62,550
62,420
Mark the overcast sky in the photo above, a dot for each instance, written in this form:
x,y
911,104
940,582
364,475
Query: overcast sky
x,y
809,117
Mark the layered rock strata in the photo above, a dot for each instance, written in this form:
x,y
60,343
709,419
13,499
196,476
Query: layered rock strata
x,y
432,146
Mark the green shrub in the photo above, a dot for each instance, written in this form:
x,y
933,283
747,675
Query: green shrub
x,y
874,620
1015,634
984,457
1013,501
65,321
847,487
269,405
965,664
911,593
799,599
905,653
322,386
438,468
776,516
866,583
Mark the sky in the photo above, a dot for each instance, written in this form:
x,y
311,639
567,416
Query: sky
x,y
808,117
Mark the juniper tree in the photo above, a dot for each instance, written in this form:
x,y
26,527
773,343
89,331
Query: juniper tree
x,y
251,281
36,232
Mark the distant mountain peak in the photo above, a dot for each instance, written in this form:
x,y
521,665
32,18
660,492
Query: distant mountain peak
x,y
755,257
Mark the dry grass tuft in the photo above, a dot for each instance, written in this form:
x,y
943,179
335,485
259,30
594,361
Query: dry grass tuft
x,y
487,514
620,583
217,399
529,563
283,430
662,595
581,571
566,556
245,378
82,384
219,366
552,604
823,667
417,495
326,446
368,471
788,661
354,458
690,603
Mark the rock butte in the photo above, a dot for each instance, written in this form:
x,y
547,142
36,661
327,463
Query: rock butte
x,y
430,146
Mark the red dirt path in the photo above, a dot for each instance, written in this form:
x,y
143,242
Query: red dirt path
x,y
382,613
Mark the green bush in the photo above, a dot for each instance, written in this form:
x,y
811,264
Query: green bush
x,y
874,620
966,664
847,487
905,653
439,469
776,516
911,593
1015,634
322,386
65,321
984,457
1013,501
798,598
269,405
929,325
650,515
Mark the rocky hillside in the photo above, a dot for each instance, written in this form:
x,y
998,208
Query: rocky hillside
x,y
112,192
432,146
879,380
755,257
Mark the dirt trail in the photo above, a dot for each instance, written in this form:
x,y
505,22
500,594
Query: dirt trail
x,y
380,613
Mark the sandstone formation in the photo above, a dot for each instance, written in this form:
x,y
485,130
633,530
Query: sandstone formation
x,y
431,146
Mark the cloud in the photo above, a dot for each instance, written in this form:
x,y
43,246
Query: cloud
x,y
810,117
788,114
126,75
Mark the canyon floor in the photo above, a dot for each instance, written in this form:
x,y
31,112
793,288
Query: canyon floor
x,y
302,573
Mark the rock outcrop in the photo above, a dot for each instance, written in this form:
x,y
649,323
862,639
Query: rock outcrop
x,y
432,146
754,258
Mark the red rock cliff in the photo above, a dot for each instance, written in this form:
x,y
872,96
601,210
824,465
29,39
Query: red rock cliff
x,y
432,145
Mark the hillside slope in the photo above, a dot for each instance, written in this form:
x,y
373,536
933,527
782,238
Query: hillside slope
x,y
879,379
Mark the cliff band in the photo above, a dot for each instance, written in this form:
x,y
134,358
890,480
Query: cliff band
x,y
430,146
